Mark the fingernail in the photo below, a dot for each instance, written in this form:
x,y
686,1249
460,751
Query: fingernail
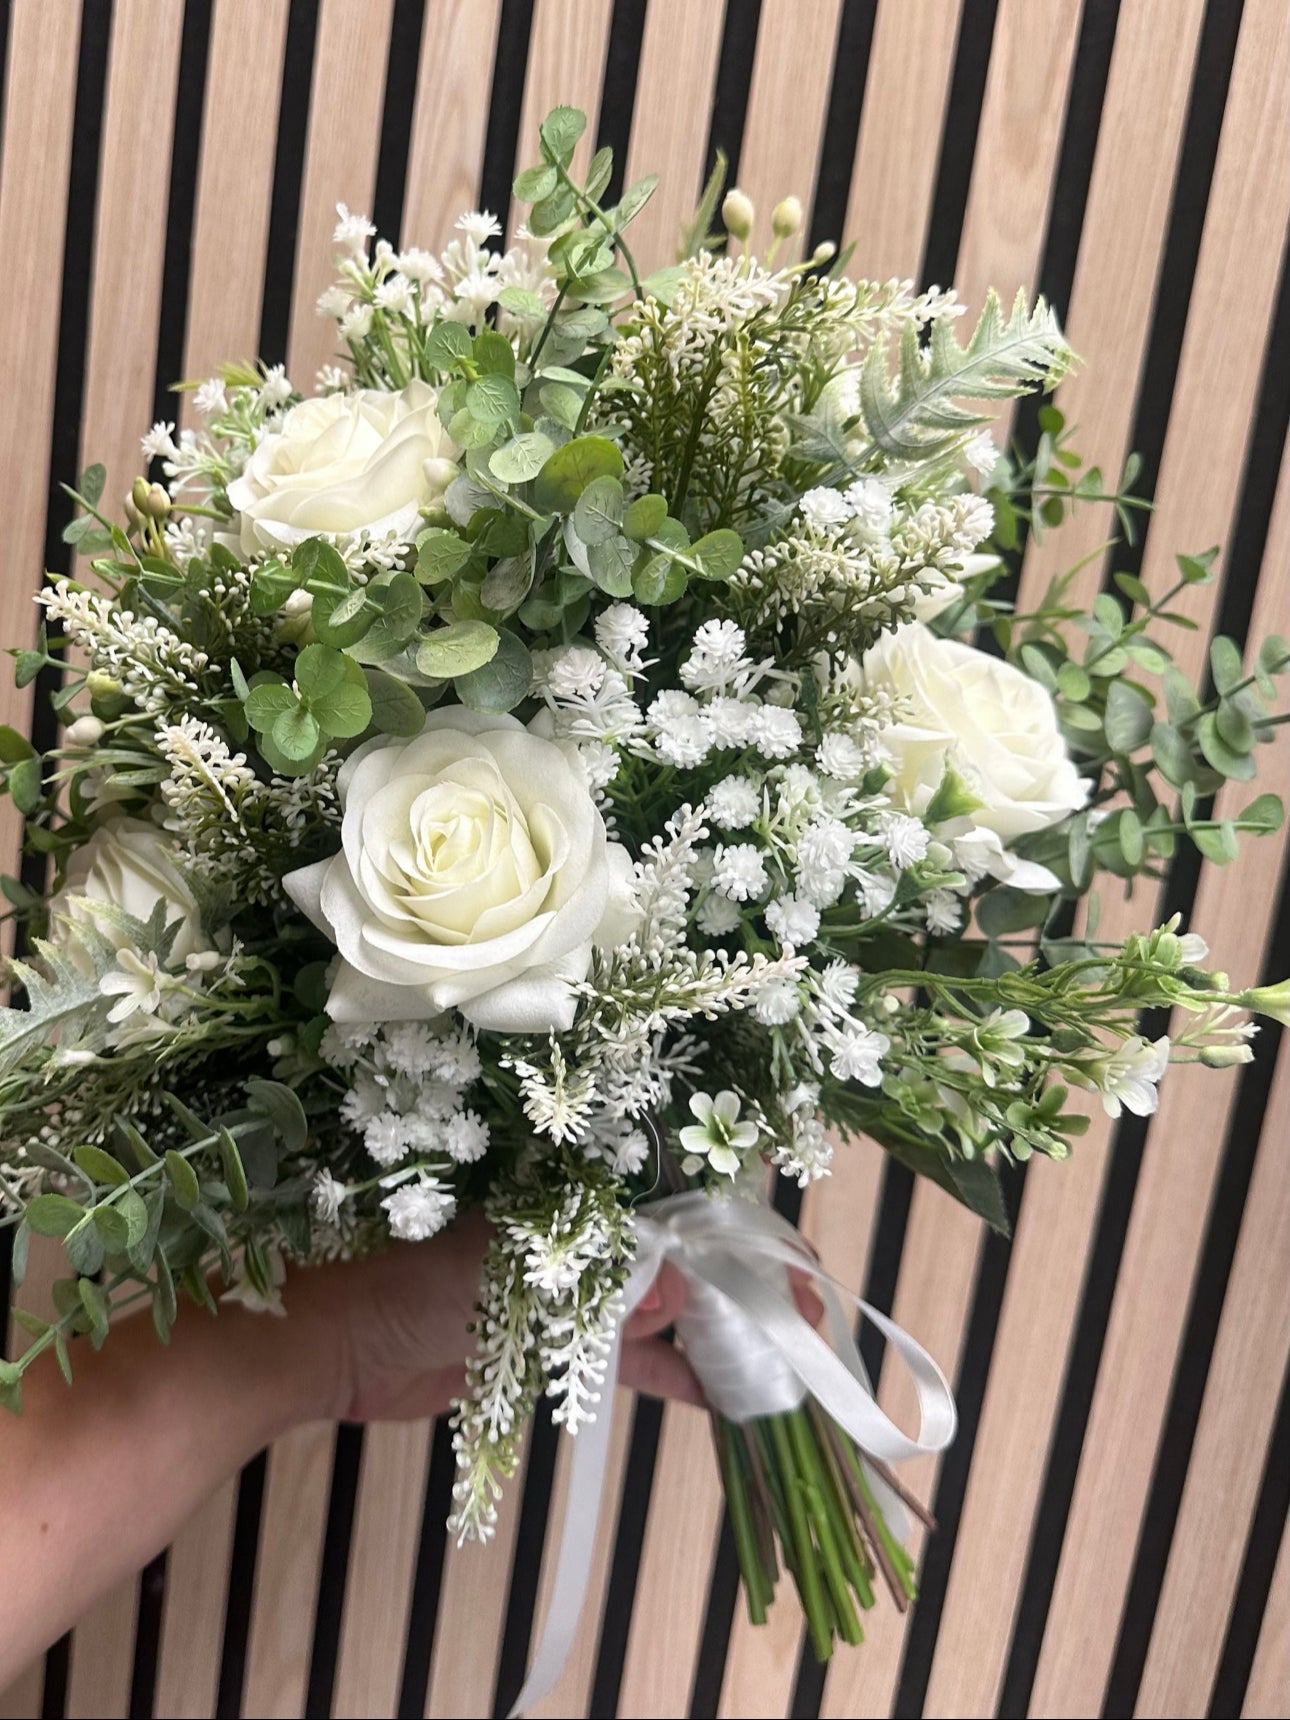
x,y
650,1300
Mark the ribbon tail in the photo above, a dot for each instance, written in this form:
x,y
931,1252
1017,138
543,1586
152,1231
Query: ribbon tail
x,y
587,1466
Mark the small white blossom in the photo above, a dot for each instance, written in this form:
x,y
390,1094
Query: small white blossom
x,y
905,838
622,633
275,390
210,399
739,872
1193,949
840,757
822,508
136,981
733,803
717,660
479,226
334,301
467,1138
386,1137
352,232
395,294
777,1002
775,733
1129,1077
793,921
159,443
575,672
943,912
718,916
982,454
685,742
420,266
728,722
718,1135
858,1054
356,323
418,1210
871,505
326,1197
837,986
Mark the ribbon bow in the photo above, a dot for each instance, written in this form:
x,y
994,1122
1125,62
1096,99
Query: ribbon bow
x,y
754,1354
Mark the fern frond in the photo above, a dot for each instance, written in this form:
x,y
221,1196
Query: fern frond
x,y
920,412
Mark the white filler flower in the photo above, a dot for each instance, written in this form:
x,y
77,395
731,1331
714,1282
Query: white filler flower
x,y
475,874
996,726
345,463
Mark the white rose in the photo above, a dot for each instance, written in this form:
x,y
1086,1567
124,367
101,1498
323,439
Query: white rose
x,y
474,874
344,463
132,866
995,725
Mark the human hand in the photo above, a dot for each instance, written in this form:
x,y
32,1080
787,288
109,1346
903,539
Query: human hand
x,y
394,1326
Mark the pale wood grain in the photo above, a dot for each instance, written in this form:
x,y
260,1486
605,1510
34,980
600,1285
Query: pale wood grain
x,y
40,83
292,1523
235,182
1267,1696
382,1563
446,151
1213,399
787,107
1109,316
671,119
192,1620
472,1616
1133,162
910,62
566,68
671,1591
340,162
125,297
1227,1460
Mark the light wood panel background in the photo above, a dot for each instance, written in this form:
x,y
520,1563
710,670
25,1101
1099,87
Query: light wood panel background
x,y
1113,1519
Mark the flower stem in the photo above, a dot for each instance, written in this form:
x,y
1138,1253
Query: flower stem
x,y
815,1602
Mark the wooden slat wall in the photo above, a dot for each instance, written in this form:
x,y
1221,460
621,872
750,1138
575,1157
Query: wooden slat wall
x,y
1114,1516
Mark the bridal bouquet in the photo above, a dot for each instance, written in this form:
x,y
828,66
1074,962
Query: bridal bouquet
x,y
577,762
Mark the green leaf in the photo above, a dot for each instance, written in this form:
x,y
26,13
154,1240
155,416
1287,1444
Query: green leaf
x,y
91,481
502,682
559,133
1217,842
1219,755
1234,726
112,1229
1225,664
234,1172
396,710
634,199
183,1180
1274,654
1129,718
84,1247
447,343
1264,814
96,1310
345,709
522,458
1197,569
440,554
399,603
611,563
1109,614
493,400
718,554
281,1105
318,669
598,511
457,649
562,403
1129,833
14,746
1172,754
1004,910
506,584
101,1166
53,1215
1080,854
547,214
271,586
296,734
1073,683
25,786
534,183
570,469
133,1210
340,613
1180,697
644,516
317,563
493,354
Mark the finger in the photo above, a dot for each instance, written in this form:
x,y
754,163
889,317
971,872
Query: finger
x,y
659,1307
652,1366
809,1303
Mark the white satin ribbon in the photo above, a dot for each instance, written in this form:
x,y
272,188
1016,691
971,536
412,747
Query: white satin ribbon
x,y
754,1355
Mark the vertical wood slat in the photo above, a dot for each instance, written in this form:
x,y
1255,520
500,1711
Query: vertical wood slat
x,y
1266,1695
1212,405
340,163
450,119
1108,317
229,245
890,202
1231,1442
674,86
787,106
235,182
40,88
124,308
943,1242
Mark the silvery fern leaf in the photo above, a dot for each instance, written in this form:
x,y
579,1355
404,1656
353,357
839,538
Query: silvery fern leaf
x,y
920,412
63,999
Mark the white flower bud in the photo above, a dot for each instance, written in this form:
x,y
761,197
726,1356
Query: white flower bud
x,y
786,217
84,733
737,213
